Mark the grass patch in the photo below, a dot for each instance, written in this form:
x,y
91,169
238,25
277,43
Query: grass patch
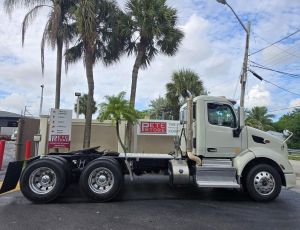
x,y
295,157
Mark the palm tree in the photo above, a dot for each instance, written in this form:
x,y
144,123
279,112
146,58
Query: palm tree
x,y
258,117
97,31
182,80
57,31
151,28
117,109
82,105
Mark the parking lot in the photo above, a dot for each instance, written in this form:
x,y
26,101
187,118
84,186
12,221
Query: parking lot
x,y
150,203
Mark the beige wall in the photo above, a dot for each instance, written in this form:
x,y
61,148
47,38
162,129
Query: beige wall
x,y
155,144
103,134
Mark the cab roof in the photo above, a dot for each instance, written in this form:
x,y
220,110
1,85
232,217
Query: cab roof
x,y
214,98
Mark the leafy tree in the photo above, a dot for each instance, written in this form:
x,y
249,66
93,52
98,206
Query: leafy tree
x,y
82,105
58,31
182,80
144,114
291,121
117,108
160,109
97,31
259,118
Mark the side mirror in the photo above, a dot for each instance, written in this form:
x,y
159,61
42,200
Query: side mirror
x,y
241,124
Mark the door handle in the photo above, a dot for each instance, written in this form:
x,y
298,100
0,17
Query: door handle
x,y
212,150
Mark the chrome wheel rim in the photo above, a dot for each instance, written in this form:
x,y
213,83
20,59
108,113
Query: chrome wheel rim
x,y
42,180
264,183
101,180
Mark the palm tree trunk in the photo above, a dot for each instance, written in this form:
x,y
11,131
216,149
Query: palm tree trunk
x,y
135,72
119,138
58,72
89,112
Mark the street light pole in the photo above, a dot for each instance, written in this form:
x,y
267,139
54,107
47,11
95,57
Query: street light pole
x,y
78,96
42,98
243,79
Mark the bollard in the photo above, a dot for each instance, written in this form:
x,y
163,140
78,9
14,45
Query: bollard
x,y
28,148
2,147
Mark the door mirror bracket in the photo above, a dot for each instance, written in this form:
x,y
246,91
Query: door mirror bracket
x,y
236,132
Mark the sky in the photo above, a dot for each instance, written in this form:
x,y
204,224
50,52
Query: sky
x,y
213,47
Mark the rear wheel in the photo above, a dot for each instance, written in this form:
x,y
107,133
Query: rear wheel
x,y
263,183
66,166
42,181
101,180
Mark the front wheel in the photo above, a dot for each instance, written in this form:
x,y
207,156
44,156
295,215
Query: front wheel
x,y
263,183
101,180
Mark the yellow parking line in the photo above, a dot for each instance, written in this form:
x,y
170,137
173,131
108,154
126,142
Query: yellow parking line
x,y
15,190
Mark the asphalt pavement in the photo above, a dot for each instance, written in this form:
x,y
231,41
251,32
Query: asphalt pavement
x,y
150,203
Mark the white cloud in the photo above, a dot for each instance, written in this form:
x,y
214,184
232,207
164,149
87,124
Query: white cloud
x,y
295,103
13,103
258,96
213,47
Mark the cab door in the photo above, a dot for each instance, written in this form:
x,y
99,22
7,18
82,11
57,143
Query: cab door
x,y
220,123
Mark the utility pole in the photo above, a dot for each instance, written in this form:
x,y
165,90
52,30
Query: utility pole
x,y
245,68
42,98
243,79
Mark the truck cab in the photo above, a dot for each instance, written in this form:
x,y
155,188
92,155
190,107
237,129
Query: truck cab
x,y
214,125
221,141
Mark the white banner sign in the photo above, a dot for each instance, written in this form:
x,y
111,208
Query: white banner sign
x,y
60,128
158,127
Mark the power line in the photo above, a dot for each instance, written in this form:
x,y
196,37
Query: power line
x,y
294,107
273,70
297,94
272,44
262,79
290,51
282,56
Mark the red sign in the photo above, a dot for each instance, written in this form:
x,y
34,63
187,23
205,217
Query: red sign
x,y
153,127
59,141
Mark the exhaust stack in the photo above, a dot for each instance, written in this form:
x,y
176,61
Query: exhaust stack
x,y
189,144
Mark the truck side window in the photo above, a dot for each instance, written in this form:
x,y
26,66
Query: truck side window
x,y
221,115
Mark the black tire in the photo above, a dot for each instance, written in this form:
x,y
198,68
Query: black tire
x,y
113,180
66,166
263,183
30,190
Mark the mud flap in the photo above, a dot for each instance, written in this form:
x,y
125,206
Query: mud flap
x,y
12,176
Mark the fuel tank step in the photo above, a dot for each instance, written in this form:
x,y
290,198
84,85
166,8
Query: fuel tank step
x,y
216,173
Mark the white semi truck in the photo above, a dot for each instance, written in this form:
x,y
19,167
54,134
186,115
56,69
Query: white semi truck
x,y
214,150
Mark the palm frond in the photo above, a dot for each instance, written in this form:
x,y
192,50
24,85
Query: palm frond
x,y
10,5
28,18
43,42
73,54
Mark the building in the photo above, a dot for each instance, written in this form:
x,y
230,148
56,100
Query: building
x,y
8,124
